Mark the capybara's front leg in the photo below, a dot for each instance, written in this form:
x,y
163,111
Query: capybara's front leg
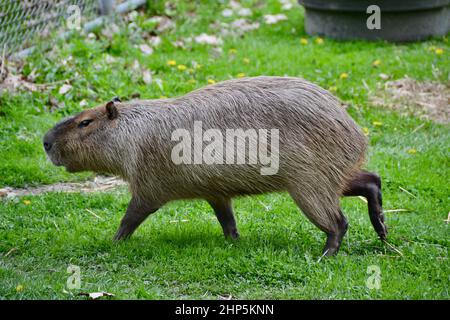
x,y
138,210
321,207
224,213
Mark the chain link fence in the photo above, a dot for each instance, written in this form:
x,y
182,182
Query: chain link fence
x,y
22,22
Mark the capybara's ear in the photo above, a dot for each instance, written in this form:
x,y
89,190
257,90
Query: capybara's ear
x,y
111,110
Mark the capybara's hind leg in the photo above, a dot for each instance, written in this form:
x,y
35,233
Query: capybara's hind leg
x,y
224,213
368,185
137,211
324,212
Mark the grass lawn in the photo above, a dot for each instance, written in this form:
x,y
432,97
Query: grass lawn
x,y
179,252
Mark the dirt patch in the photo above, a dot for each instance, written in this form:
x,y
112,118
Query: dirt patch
x,y
100,183
427,100
9,82
12,83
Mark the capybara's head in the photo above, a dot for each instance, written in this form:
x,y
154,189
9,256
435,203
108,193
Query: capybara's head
x,y
83,142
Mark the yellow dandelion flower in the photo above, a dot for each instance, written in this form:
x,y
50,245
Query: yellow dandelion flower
x,y
198,66
377,123
303,41
318,40
232,51
246,60
343,75
439,51
366,131
182,67
27,202
171,62
190,70
240,75
332,89
412,151
162,97
376,63
19,288
211,81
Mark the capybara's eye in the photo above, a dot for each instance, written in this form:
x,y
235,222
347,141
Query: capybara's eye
x,y
84,123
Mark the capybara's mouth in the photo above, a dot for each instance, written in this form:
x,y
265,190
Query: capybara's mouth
x,y
57,163
56,160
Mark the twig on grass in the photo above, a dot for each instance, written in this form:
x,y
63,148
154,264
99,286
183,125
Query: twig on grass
x,y
396,210
423,243
393,248
10,251
418,128
177,221
388,256
95,215
407,192
323,255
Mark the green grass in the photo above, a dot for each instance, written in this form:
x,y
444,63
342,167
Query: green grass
x,y
279,248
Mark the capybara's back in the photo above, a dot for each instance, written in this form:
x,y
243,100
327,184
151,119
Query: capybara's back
x,y
238,137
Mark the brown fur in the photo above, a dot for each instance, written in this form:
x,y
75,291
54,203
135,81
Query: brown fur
x,y
321,148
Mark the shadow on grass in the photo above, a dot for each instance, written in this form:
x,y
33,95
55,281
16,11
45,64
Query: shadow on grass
x,y
182,245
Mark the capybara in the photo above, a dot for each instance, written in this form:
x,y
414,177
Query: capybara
x,y
319,151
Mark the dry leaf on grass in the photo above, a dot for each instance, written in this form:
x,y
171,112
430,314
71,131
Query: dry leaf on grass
x,y
163,23
96,295
227,13
242,25
155,41
272,19
146,49
147,76
12,83
286,4
208,39
65,88
244,12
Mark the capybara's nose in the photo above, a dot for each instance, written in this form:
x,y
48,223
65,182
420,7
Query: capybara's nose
x,y
47,146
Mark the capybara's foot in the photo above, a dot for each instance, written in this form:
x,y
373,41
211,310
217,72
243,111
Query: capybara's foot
x,y
382,231
334,240
329,252
122,234
331,247
232,235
